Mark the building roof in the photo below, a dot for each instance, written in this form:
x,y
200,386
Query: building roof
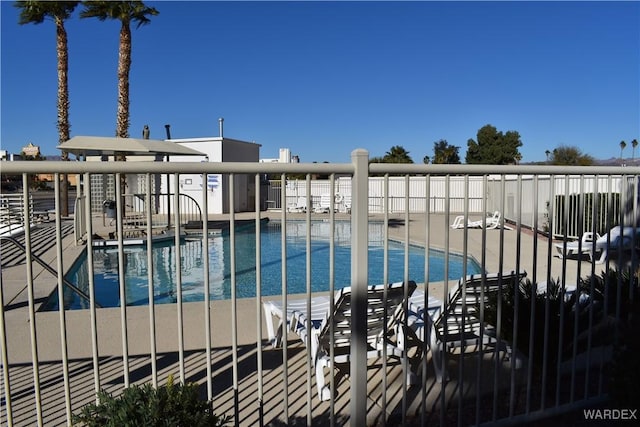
x,y
212,139
100,146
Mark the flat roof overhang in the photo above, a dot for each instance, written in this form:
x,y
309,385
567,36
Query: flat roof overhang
x,y
111,146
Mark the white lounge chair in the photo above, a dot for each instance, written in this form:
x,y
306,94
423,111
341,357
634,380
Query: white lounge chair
x,y
458,223
347,204
624,238
576,247
299,207
273,310
381,313
457,324
618,238
325,204
493,221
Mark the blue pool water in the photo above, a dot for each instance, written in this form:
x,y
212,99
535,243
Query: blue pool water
x,y
136,273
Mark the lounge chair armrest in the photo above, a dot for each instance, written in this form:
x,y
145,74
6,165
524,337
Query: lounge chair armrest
x,y
296,317
407,338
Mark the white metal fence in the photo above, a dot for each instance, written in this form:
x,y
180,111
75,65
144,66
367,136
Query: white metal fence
x,y
55,362
396,199
477,193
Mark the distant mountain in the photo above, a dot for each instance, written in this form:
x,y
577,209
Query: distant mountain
x,y
616,161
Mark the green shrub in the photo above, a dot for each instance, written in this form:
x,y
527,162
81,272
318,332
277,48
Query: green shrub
x,y
170,405
607,314
546,314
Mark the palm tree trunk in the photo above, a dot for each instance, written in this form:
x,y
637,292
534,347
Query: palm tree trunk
x,y
63,106
124,65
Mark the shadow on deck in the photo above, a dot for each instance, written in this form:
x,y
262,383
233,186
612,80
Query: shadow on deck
x,y
244,403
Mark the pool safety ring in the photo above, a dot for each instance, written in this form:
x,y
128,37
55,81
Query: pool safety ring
x,y
339,198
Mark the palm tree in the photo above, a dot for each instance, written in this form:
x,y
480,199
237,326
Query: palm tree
x,y
36,12
634,144
623,145
445,153
397,154
126,12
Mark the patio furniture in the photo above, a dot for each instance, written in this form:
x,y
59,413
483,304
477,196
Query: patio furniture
x,y
575,248
334,328
299,207
325,204
492,222
618,238
347,203
273,310
457,324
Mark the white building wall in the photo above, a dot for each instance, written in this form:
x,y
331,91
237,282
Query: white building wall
x,y
218,149
285,155
191,184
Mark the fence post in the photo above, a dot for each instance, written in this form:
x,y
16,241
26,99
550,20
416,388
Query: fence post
x,y
359,282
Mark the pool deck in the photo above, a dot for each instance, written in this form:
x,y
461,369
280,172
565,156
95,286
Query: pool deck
x,y
505,244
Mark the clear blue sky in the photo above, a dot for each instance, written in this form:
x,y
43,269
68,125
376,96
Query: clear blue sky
x,y
324,78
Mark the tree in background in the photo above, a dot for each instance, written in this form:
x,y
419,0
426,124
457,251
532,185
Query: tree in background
x,y
623,145
397,154
30,157
570,156
35,12
444,153
126,12
493,147
634,144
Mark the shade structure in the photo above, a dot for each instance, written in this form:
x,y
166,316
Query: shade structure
x,y
109,146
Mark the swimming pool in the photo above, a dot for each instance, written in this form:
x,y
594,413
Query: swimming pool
x,y
192,272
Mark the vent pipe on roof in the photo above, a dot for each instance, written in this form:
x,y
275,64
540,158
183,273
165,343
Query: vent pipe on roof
x,y
221,126
168,129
